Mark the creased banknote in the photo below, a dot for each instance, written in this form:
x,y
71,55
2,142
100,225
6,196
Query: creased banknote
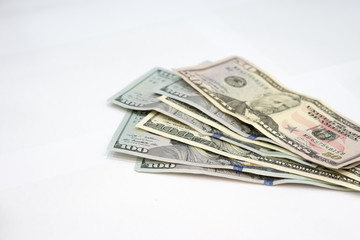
x,y
353,173
160,124
183,92
233,138
301,124
140,96
134,141
152,166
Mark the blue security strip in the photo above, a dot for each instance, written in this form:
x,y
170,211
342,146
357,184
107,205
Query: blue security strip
x,y
252,137
238,168
269,182
217,135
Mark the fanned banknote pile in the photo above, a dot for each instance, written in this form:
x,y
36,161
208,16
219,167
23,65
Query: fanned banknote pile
x,y
231,119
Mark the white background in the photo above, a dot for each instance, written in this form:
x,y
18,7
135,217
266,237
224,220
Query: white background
x,y
59,62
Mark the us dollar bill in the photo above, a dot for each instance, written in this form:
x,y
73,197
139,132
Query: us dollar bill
x,y
140,96
353,173
160,124
134,141
232,137
182,91
193,112
304,125
153,166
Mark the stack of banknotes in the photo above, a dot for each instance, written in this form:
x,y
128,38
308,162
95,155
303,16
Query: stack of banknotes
x,y
231,119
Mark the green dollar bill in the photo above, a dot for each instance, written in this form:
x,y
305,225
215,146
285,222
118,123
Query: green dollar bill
x,y
140,96
153,166
353,173
134,141
183,92
165,126
224,134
